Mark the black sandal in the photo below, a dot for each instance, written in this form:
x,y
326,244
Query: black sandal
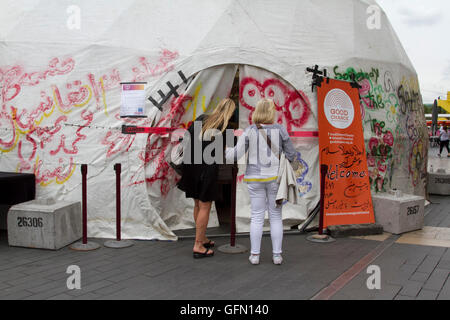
x,y
198,255
209,244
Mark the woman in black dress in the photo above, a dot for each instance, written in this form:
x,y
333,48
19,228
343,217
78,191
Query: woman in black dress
x,y
199,180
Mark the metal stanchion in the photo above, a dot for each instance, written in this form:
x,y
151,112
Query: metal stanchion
x,y
320,237
233,247
118,243
84,245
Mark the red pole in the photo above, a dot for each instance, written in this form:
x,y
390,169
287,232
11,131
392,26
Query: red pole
x,y
233,208
323,173
84,199
118,169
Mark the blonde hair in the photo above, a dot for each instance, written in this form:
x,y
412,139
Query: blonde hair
x,y
265,112
219,118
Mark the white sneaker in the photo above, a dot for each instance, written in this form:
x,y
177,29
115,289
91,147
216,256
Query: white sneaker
x,y
277,259
254,259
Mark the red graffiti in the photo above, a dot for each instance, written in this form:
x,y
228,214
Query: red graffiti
x,y
24,128
15,77
25,165
88,117
112,80
26,120
158,147
117,142
73,98
153,70
7,121
61,173
293,106
46,135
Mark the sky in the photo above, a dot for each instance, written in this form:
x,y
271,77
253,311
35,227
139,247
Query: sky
x,y
423,27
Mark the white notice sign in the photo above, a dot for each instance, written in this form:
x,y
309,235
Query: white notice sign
x,y
133,99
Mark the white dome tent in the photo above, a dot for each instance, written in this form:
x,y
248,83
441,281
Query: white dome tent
x,y
60,95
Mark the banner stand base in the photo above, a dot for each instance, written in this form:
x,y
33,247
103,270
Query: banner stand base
x,y
115,244
317,238
80,246
232,250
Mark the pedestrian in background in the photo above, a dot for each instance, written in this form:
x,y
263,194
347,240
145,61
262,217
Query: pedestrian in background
x,y
444,138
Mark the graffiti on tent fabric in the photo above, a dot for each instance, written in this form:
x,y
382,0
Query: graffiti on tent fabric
x,y
411,106
294,107
417,162
24,129
380,92
374,96
158,148
304,186
147,69
409,98
379,154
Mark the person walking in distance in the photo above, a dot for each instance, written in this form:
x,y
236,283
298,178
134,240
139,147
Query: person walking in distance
x,y
444,138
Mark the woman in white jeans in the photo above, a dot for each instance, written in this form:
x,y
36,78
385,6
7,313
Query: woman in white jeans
x,y
261,174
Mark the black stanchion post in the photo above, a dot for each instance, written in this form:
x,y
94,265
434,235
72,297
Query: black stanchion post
x,y
320,237
118,243
84,245
233,247
323,172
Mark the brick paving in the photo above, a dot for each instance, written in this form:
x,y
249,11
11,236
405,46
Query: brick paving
x,y
166,270
410,271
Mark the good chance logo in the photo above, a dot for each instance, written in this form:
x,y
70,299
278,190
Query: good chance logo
x,y
339,109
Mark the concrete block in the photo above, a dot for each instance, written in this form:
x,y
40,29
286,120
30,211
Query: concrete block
x,y
44,224
439,183
398,215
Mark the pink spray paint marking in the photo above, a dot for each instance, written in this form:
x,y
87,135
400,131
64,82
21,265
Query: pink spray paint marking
x,y
293,107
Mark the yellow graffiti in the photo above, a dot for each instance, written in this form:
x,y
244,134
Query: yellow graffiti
x,y
68,177
88,99
75,105
13,147
195,101
196,94
46,115
204,103
56,179
411,83
104,96
36,122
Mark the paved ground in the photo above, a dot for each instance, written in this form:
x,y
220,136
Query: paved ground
x,y
166,270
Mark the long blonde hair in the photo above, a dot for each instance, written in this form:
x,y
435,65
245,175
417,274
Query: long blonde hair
x,y
265,112
219,118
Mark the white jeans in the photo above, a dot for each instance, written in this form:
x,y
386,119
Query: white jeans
x,y
262,199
